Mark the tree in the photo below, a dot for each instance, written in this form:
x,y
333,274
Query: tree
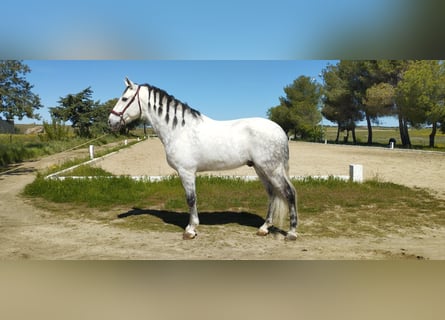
x,y
298,110
374,96
88,117
379,100
281,115
364,82
421,91
16,97
100,116
357,90
391,73
79,109
340,105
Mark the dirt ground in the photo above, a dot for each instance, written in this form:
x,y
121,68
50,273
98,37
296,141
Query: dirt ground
x,y
27,232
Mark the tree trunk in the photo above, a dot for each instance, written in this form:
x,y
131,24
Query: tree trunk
x,y
338,134
368,122
354,138
433,134
407,138
346,137
404,134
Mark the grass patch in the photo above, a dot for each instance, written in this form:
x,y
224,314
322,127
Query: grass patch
x,y
376,208
328,208
381,136
16,148
88,171
14,153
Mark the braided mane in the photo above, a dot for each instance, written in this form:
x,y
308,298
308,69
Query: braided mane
x,y
162,100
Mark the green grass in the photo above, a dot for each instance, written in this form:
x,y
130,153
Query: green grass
x,y
327,208
14,153
16,148
87,171
20,147
381,136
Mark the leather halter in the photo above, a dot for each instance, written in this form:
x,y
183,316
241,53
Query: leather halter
x,y
121,113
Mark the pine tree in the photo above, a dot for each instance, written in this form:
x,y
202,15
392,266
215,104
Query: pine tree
x,y
16,96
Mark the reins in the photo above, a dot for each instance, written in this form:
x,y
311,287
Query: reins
x,y
121,113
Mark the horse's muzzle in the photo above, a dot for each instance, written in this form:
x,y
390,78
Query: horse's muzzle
x,y
114,123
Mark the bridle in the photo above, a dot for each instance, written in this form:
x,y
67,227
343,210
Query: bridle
x,y
121,113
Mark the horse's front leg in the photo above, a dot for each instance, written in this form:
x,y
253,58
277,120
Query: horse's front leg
x,y
188,182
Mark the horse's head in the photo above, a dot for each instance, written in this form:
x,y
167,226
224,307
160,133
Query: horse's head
x,y
127,108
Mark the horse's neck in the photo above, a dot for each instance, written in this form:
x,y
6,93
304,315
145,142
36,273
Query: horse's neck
x,y
161,130
166,120
159,125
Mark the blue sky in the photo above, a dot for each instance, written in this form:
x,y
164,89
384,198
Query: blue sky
x,y
202,29
221,89
251,48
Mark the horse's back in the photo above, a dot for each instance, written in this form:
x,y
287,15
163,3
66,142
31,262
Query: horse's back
x,y
265,140
247,129
265,132
265,129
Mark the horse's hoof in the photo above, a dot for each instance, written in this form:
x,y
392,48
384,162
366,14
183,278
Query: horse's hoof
x,y
291,236
262,232
189,235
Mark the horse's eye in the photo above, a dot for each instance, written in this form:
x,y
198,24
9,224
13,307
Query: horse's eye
x,y
124,99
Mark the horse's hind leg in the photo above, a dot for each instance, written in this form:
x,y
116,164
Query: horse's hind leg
x,y
291,197
264,229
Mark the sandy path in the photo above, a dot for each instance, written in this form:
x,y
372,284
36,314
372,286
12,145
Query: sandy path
x,y
28,232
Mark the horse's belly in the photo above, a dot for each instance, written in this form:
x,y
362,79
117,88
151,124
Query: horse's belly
x,y
220,161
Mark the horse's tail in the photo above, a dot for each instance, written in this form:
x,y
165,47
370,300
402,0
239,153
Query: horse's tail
x,y
280,209
280,202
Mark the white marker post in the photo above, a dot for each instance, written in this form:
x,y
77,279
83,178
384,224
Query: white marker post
x,y
91,152
356,172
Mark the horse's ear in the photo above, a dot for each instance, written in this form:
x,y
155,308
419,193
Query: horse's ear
x,y
129,83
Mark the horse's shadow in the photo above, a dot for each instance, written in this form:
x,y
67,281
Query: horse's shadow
x,y
181,219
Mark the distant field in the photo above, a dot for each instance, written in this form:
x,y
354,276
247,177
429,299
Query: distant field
x,y
21,128
381,136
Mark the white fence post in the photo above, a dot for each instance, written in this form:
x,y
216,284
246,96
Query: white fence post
x,y
356,172
91,151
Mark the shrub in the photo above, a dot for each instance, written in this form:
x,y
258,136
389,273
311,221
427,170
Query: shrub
x,y
55,130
